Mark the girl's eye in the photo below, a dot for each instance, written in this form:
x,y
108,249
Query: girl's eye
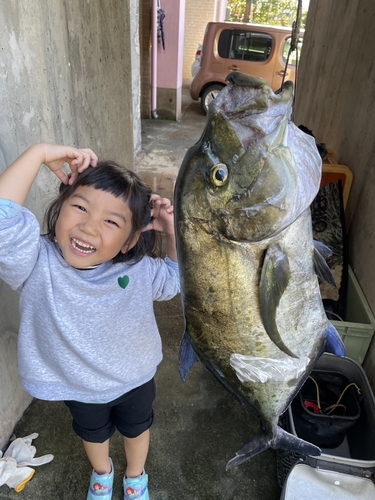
x,y
112,222
80,207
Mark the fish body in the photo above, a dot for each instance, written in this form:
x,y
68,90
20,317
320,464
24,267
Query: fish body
x,y
251,299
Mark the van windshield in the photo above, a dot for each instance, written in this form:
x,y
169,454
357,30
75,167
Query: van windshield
x,y
245,45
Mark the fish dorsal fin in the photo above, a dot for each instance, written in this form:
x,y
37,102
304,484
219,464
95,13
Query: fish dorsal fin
x,y
187,357
322,269
273,282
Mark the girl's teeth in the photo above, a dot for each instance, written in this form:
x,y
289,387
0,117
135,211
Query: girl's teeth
x,y
82,247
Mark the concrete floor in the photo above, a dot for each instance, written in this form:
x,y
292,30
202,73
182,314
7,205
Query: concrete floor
x,y
198,426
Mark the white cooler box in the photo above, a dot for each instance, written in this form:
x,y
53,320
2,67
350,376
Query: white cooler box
x,y
346,472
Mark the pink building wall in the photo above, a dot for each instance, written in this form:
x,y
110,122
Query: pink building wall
x,y
170,60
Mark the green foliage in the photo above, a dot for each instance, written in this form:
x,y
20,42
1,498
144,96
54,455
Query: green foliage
x,y
271,12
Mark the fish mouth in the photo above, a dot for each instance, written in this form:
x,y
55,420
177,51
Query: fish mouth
x,y
81,246
275,199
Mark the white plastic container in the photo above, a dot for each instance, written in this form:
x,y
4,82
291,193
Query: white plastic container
x,y
358,326
305,482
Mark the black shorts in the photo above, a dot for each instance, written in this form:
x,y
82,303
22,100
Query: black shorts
x,y
131,414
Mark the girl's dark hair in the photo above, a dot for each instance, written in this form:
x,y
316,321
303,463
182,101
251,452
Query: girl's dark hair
x,y
111,177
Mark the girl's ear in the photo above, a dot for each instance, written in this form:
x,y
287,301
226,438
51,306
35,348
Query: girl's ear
x,y
128,246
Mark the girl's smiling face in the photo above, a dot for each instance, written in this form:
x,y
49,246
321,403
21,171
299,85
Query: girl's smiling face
x,y
93,227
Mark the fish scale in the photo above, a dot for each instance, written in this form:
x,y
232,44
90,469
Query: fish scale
x,y
250,294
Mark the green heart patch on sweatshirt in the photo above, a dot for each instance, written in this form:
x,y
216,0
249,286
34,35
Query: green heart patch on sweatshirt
x,y
123,281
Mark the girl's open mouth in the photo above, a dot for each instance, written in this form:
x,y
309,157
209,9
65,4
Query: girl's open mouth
x,y
81,246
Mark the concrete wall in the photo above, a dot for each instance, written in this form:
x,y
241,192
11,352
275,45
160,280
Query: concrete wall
x,y
135,59
66,73
336,100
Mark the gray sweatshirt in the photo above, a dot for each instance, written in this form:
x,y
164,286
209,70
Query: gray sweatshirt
x,y
85,335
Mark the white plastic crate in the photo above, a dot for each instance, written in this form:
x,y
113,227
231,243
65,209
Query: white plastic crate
x,y
358,326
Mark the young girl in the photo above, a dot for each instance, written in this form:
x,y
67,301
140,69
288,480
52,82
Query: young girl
x,y
88,334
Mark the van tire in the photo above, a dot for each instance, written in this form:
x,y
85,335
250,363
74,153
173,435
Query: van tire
x,y
209,94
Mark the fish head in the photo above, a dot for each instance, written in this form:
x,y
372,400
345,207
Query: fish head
x,y
239,181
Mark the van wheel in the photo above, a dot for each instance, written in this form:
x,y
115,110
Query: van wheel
x,y
209,94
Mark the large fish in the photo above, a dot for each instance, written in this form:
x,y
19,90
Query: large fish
x,y
253,311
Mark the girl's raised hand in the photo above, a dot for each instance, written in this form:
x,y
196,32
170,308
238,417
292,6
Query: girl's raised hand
x,y
163,220
55,156
162,215
17,179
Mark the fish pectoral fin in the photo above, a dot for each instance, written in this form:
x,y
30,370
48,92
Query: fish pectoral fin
x,y
322,269
280,439
187,357
273,282
334,344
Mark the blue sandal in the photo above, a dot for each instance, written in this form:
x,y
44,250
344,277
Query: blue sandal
x,y
101,485
136,488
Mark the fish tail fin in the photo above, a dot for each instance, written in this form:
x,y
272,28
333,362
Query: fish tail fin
x,y
260,443
280,439
187,357
334,344
289,442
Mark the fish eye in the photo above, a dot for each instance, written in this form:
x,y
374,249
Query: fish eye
x,y
219,174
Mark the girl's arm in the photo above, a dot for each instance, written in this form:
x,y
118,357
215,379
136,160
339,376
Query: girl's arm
x,y
171,247
163,220
17,179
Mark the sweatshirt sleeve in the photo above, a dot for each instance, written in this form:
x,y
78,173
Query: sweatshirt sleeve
x,y
166,278
19,243
173,265
9,209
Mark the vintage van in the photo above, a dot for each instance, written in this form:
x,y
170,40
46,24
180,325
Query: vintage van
x,y
249,48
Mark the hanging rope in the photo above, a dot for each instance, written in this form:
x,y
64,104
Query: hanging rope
x,y
296,27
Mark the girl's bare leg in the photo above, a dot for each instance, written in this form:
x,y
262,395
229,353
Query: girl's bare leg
x,y
136,450
98,454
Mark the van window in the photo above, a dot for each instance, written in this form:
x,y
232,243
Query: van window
x,y
293,55
245,45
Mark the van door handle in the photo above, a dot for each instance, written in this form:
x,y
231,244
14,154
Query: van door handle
x,y
282,73
233,68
